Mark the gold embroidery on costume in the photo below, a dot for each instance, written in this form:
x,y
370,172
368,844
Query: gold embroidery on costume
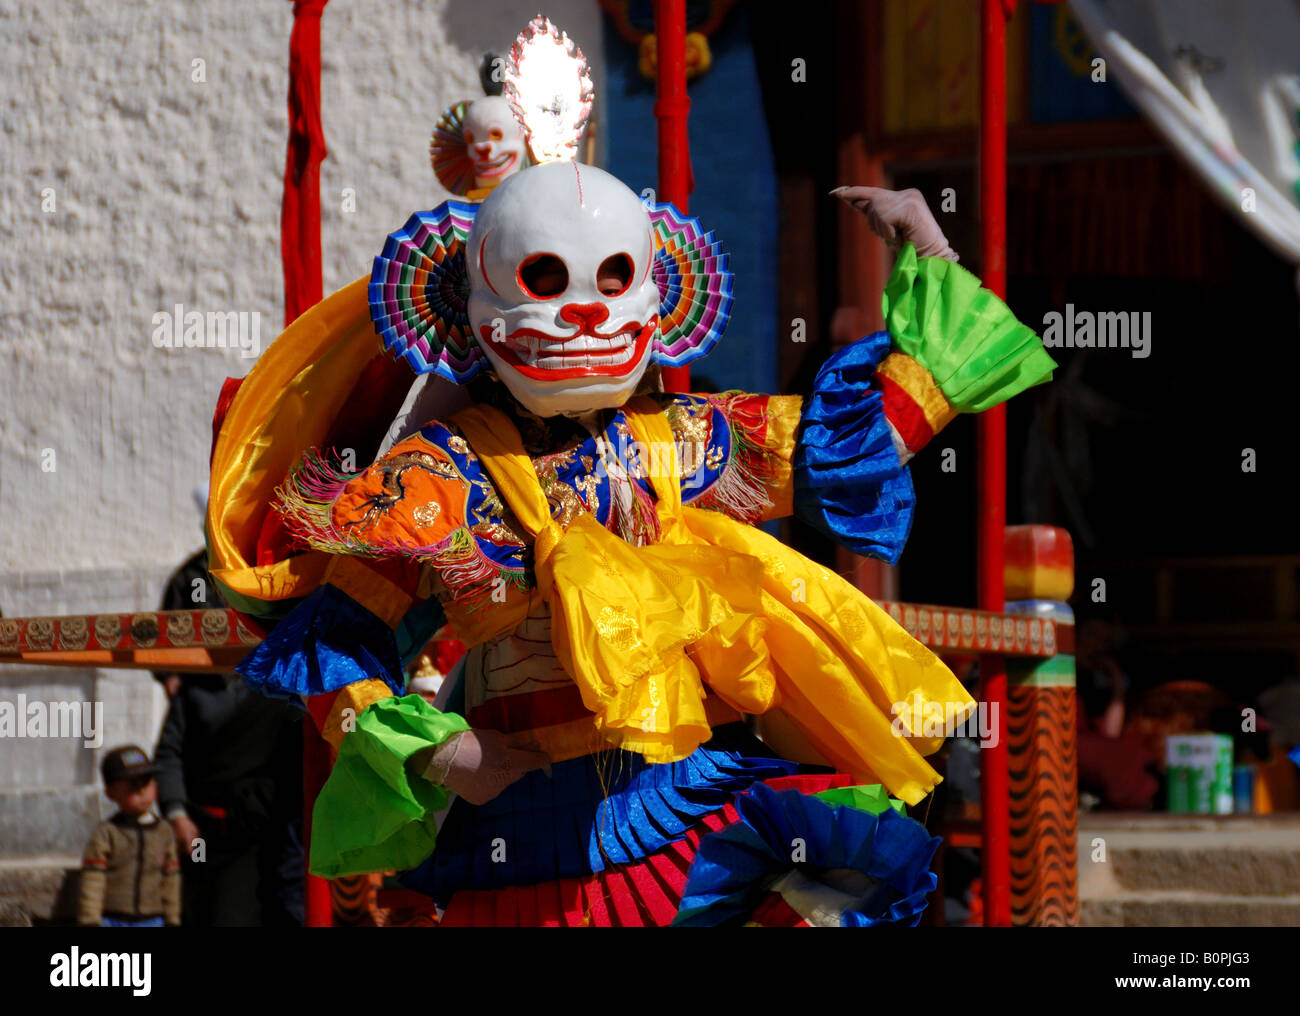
x,y
690,422
425,515
497,532
437,466
565,503
392,472
491,510
589,487
854,625
691,456
618,627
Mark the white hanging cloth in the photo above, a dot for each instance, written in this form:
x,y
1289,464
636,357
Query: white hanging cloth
x,y
1221,82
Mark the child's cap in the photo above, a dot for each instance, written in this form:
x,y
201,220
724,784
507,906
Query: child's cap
x,y
125,763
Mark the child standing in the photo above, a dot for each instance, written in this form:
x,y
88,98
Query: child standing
x,y
130,875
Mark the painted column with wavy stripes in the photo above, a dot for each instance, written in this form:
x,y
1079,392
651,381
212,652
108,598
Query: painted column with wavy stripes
x,y
1042,736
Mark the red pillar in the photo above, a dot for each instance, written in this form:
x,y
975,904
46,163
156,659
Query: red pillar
x,y
300,210
303,285
991,443
318,908
671,109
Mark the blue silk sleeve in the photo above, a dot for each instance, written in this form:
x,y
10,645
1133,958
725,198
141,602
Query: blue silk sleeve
x,y
326,642
848,481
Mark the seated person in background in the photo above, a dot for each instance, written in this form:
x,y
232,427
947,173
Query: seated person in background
x,y
1111,765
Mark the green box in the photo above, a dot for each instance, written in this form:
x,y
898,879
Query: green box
x,y
1199,772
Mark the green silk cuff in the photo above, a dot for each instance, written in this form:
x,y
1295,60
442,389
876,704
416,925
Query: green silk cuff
x,y
970,342
372,814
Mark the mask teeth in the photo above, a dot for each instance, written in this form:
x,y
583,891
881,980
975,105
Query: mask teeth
x,y
606,349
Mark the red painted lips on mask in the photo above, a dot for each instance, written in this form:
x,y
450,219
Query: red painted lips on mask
x,y
525,348
484,166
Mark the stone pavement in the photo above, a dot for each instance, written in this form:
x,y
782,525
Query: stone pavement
x,y
1189,870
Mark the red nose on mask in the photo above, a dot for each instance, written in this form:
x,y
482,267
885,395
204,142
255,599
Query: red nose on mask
x,y
585,315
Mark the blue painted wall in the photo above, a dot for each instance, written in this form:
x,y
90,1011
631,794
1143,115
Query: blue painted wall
x,y
735,185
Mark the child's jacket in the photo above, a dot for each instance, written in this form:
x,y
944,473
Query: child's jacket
x,y
130,870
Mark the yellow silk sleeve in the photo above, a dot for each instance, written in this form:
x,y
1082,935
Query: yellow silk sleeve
x,y
840,668
286,405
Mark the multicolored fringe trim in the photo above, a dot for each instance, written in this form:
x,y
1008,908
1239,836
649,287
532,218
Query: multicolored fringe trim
x,y
637,524
741,489
307,499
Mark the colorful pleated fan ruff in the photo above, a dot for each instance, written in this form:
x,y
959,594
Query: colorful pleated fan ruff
x,y
419,291
419,294
695,286
448,152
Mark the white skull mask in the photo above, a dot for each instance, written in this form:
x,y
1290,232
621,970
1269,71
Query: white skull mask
x,y
493,139
562,297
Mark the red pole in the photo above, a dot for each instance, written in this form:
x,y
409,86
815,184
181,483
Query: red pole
x,y
300,211
672,106
991,454
317,906
303,285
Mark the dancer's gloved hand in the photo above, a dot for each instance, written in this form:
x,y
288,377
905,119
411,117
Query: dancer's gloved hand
x,y
478,764
899,217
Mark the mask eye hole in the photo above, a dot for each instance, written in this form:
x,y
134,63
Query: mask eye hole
x,y
469,137
543,276
614,275
495,134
